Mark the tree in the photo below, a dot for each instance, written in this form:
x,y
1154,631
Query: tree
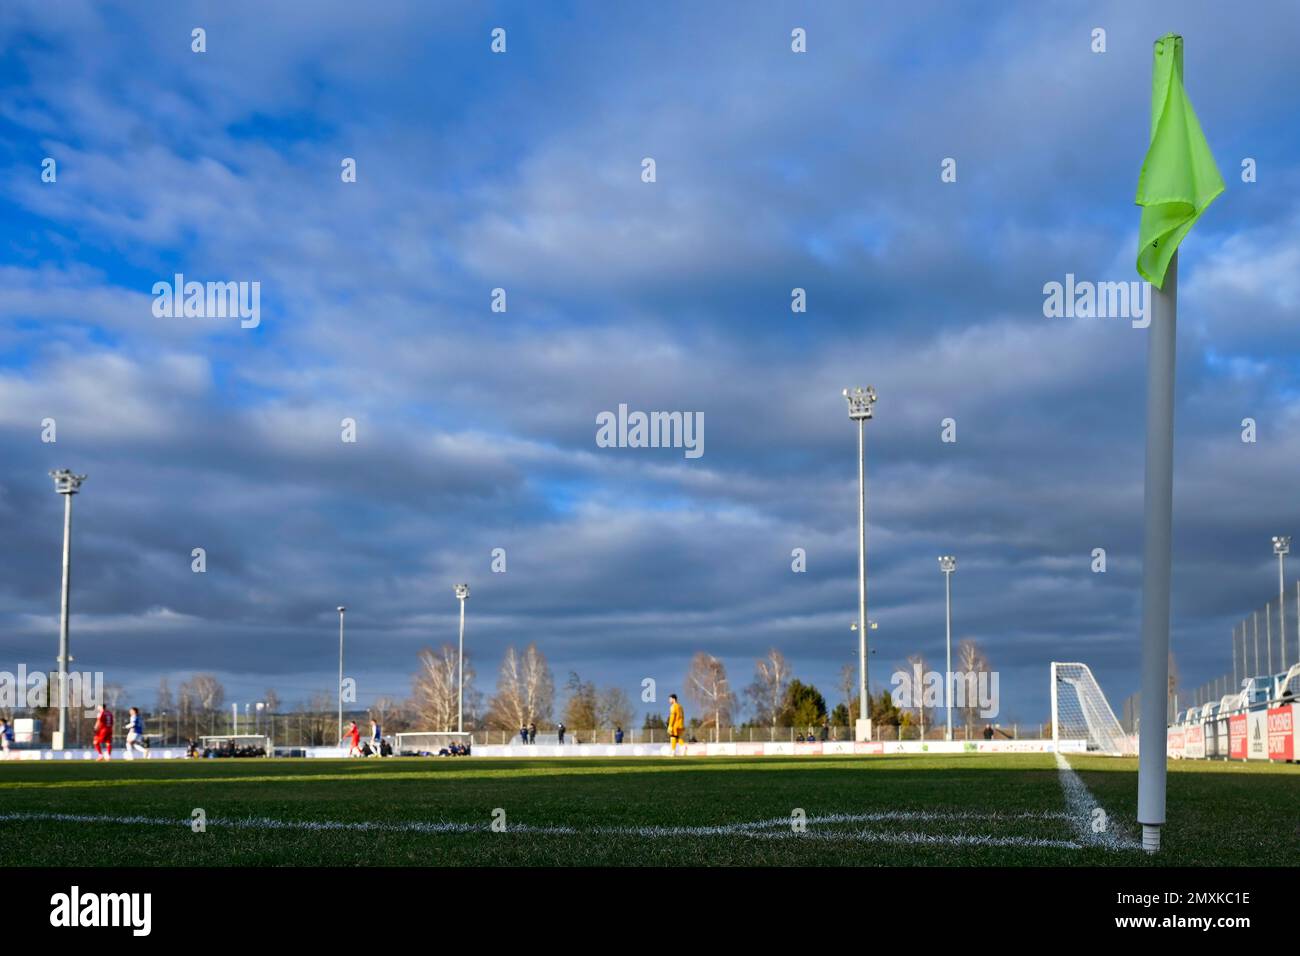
x,y
709,691
803,706
390,715
165,703
654,722
580,710
525,691
113,694
435,689
614,708
272,700
883,711
970,660
849,688
207,692
924,713
322,722
767,692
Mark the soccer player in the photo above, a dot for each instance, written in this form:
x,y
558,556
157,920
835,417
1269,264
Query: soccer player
x,y
104,733
676,724
376,736
135,733
6,736
353,733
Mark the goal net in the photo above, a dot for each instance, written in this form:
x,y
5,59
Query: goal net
x,y
428,743
236,745
1080,712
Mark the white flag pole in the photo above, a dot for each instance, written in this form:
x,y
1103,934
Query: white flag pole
x,y
1158,506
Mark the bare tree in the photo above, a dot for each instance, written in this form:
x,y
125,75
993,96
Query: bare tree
x,y
767,692
435,689
580,711
113,694
849,688
389,714
924,714
971,662
708,689
272,700
322,722
525,691
614,708
208,692
165,702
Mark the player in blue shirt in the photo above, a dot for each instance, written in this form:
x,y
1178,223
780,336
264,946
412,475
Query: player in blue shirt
x,y
135,733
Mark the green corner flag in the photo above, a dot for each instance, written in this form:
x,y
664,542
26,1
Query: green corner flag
x,y
1179,179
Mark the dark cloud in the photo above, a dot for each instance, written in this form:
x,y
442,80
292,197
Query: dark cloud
x,y
476,429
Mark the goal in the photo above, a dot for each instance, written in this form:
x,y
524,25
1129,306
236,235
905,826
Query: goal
x,y
1289,688
427,743
1080,712
236,745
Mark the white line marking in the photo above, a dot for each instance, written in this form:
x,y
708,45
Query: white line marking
x,y
1082,809
776,828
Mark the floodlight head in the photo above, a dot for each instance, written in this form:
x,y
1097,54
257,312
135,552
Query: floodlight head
x,y
1281,544
462,591
341,609
860,402
947,563
65,482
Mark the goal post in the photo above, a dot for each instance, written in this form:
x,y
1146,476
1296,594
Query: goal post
x,y
1289,688
1080,711
237,745
428,743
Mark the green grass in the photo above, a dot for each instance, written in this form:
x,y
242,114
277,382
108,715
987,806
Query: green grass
x,y
1219,814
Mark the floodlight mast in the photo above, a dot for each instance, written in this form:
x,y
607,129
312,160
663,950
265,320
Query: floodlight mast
x,y
860,401
462,594
948,564
66,484
1234,653
341,610
1282,547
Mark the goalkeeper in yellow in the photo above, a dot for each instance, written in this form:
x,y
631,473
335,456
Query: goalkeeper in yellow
x,y
676,724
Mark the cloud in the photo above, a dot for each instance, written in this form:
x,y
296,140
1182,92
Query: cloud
x,y
476,429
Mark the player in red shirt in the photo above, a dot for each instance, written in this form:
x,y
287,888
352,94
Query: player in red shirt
x,y
104,733
353,733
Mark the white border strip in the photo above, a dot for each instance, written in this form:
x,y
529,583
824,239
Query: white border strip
x,y
776,828
1083,808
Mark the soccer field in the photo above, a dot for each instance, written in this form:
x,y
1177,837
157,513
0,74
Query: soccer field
x,y
959,810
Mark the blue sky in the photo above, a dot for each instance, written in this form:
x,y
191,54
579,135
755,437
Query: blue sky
x,y
476,430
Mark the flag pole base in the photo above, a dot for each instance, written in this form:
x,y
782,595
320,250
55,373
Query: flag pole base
x,y
1151,837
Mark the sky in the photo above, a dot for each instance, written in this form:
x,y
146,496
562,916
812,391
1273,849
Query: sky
x,y
476,429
